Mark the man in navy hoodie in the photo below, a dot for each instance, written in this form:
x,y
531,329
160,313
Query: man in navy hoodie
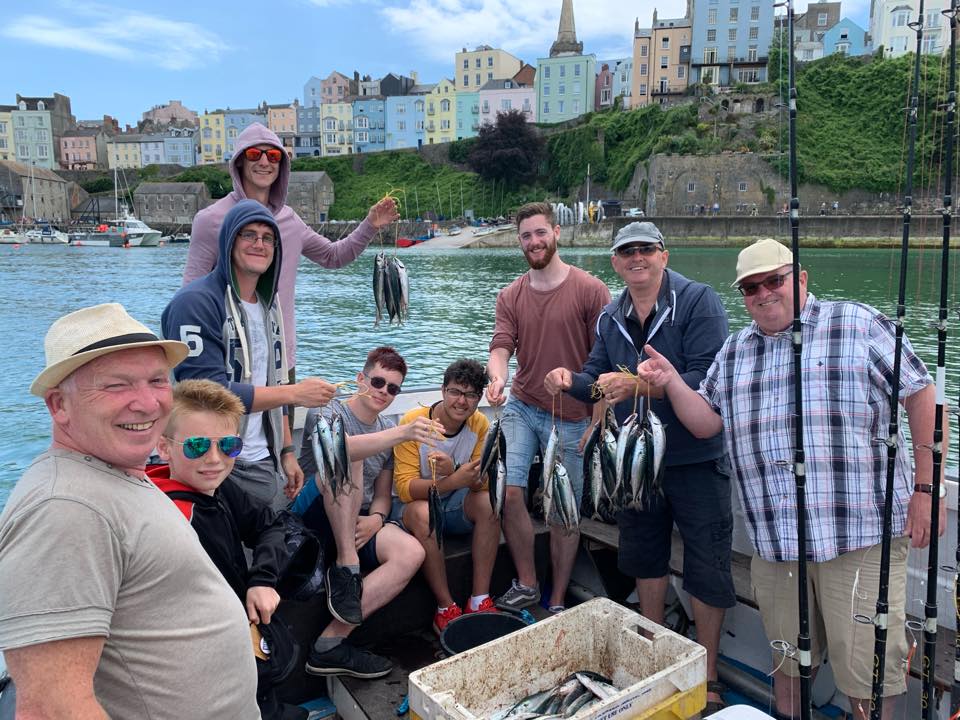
x,y
686,322
230,319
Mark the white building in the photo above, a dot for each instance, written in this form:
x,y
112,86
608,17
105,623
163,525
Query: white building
x,y
890,26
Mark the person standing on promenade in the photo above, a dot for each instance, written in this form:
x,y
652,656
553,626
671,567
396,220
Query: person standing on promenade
x,y
686,322
260,170
547,317
847,358
109,606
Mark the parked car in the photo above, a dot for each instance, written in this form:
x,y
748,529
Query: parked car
x,y
634,212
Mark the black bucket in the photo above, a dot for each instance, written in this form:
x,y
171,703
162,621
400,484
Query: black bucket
x,y
469,631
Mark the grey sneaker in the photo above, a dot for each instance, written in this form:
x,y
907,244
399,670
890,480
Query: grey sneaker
x,y
518,597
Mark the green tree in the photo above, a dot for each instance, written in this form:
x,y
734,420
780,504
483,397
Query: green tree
x,y
509,150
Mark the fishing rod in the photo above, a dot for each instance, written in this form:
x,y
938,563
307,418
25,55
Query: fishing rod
x,y
893,428
927,698
799,464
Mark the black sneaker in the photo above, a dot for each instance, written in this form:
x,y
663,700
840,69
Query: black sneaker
x,y
344,589
345,659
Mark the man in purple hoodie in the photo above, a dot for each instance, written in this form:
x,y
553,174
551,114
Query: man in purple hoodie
x,y
261,171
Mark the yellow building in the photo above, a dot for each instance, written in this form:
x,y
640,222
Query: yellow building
x,y
282,119
123,152
441,113
336,128
661,61
475,68
212,137
7,151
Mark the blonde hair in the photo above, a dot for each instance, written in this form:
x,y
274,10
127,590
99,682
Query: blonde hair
x,y
194,396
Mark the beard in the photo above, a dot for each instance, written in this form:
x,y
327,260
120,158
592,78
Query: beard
x,y
549,252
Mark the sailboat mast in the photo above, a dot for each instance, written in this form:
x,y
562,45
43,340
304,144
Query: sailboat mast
x,y
804,657
880,620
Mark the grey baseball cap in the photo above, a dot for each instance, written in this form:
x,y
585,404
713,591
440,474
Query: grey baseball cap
x,y
638,232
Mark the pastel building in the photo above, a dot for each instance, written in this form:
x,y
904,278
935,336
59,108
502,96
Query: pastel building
x,y
731,42
180,146
123,152
847,38
308,141
472,69
603,92
84,149
172,112
38,125
336,120
235,122
622,82
336,88
401,115
313,92
212,139
889,26
661,60
499,96
282,119
441,113
468,113
7,150
565,80
369,125
151,150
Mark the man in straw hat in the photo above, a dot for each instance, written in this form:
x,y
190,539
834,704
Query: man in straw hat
x,y
685,321
108,604
848,355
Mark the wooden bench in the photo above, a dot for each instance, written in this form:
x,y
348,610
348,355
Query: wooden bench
x,y
607,536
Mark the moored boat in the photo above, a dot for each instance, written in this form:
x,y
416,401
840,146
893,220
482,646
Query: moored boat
x,y
11,237
46,235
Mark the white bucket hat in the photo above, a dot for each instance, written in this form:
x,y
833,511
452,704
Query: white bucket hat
x,y
84,335
763,256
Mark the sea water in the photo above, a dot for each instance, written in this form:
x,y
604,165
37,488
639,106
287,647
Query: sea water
x,y
452,299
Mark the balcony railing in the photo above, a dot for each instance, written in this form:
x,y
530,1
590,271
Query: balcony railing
x,y
761,60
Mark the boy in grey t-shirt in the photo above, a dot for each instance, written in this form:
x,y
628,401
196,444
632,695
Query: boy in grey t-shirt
x,y
387,554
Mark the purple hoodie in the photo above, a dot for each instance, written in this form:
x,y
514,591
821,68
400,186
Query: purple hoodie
x,y
297,237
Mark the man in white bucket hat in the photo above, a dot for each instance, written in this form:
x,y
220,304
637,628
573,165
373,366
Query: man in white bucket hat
x,y
109,607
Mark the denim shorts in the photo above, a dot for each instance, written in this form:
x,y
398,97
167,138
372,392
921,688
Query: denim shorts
x,y
455,520
527,431
697,498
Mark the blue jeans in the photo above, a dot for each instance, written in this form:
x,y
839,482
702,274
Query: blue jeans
x,y
527,431
455,520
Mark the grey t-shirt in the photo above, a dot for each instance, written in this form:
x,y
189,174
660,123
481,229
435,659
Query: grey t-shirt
x,y
372,466
88,550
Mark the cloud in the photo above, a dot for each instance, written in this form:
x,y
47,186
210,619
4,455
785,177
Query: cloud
x,y
442,27
121,34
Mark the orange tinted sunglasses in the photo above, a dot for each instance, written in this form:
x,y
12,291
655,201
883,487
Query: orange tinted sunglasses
x,y
253,154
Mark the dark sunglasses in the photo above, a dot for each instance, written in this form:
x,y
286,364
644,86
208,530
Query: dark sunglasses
x,y
254,153
378,382
626,251
197,447
770,283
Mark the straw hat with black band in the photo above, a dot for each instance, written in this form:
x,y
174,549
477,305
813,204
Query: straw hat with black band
x,y
79,337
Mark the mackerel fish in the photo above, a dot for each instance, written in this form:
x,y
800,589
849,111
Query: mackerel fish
x,y
342,478
497,489
565,499
550,459
379,285
573,694
492,445
626,440
404,306
435,517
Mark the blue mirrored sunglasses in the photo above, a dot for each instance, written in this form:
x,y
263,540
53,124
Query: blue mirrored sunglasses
x,y
197,447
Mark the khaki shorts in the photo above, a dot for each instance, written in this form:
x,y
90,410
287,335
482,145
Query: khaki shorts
x,y
833,604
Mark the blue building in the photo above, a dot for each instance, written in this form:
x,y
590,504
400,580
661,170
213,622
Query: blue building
x,y
369,126
179,146
235,122
731,41
307,142
845,37
402,115
312,90
622,79
468,114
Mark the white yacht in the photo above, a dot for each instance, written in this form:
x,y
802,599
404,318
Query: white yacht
x,y
137,233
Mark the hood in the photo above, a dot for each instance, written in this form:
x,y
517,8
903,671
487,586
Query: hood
x,y
257,134
244,213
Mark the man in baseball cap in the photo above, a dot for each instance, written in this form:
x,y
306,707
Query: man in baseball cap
x,y
108,604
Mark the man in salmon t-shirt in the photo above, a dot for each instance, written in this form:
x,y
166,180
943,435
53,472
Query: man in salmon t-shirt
x,y
547,317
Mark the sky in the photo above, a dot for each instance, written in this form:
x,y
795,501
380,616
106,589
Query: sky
x,y
122,58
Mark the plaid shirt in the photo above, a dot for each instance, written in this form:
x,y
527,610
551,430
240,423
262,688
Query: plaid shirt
x,y
848,368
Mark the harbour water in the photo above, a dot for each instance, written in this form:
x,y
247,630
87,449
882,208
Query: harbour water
x,y
453,293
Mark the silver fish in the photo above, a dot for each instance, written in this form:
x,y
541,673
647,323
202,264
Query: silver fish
x,y
565,499
550,455
491,451
379,289
498,488
404,298
639,460
625,443
602,690
342,474
658,431
325,433
319,458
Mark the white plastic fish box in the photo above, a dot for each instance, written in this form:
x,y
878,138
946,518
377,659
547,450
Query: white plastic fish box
x,y
663,674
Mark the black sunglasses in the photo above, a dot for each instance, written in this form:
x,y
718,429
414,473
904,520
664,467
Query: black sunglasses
x,y
770,283
378,382
626,251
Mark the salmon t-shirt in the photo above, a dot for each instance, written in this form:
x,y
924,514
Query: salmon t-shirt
x,y
549,329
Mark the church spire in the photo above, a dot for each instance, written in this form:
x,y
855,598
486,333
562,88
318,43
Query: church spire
x,y
566,42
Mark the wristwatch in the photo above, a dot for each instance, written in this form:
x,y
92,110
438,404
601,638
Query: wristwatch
x,y
928,488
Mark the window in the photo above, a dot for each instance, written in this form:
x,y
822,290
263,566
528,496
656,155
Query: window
x,y
711,35
755,13
41,150
560,106
843,48
752,53
576,88
490,61
664,61
643,89
444,105
643,69
477,78
900,18
930,45
563,71
444,124
731,53
41,105
576,107
330,138
734,14
401,124
643,53
363,122
691,187
477,62
933,20
489,76
466,80
506,104
709,55
748,76
754,33
742,187
708,76
562,90
821,19
546,89
546,71
712,16
363,137
466,64
546,107
681,72
401,108
732,35
665,43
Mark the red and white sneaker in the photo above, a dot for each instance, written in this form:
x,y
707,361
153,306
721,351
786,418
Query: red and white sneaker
x,y
443,617
486,605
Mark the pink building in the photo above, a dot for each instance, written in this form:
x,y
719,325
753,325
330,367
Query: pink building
x,y
335,88
83,149
603,95
173,111
498,96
